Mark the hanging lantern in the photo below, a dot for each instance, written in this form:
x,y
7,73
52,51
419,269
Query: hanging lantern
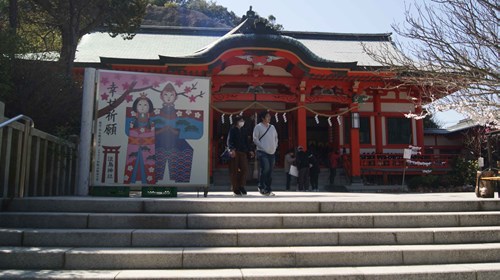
x,y
355,120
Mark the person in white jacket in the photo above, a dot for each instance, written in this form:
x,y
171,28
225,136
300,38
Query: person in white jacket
x,y
265,138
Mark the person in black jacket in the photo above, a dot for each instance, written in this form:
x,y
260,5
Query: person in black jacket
x,y
302,162
239,144
313,170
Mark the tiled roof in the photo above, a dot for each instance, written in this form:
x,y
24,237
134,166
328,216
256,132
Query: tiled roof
x,y
142,46
150,43
462,125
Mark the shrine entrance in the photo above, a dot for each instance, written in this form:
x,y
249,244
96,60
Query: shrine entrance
x,y
221,123
319,139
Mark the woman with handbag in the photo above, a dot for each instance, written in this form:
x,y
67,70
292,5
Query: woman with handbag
x,y
288,161
302,162
238,143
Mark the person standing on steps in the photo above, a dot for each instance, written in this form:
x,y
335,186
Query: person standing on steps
x,y
313,170
265,138
289,160
239,144
334,164
302,162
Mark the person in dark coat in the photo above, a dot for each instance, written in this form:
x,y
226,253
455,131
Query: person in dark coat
x,y
334,164
288,161
302,162
239,143
313,171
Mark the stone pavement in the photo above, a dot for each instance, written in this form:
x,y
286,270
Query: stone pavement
x,y
341,196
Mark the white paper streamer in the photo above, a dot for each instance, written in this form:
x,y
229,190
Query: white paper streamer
x,y
284,117
222,118
276,117
317,119
330,121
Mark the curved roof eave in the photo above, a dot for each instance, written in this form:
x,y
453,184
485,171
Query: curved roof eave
x,y
130,61
211,53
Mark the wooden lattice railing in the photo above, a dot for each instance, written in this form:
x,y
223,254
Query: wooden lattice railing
x,y
32,162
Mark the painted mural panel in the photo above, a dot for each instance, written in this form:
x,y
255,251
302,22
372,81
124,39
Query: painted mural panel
x,y
151,129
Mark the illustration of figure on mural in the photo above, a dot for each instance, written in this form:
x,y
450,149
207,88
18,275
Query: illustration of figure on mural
x,y
173,127
140,129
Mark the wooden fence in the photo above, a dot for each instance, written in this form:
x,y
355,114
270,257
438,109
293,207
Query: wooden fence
x,y
34,163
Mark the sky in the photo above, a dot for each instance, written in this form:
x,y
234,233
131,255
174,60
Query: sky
x,y
335,16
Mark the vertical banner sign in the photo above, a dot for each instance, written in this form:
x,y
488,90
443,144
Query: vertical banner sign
x,y
151,129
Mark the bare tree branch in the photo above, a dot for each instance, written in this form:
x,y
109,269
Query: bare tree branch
x,y
452,56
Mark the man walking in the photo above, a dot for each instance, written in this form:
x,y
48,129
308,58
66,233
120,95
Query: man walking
x,y
265,138
239,144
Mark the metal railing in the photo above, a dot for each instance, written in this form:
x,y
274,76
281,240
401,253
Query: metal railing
x,y
34,163
394,161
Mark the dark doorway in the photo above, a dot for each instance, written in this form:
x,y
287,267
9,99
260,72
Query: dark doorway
x,y
318,140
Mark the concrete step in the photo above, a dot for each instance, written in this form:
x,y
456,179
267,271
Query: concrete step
x,y
245,237
289,236
245,257
464,271
246,220
283,202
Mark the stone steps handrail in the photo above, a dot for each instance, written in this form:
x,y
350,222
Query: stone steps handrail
x,y
34,163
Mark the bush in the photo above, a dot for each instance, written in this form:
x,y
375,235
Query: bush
x,y
463,172
424,181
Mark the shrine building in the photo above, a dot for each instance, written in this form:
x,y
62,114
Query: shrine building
x,y
323,90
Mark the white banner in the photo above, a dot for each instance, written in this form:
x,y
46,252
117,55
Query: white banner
x,y
151,129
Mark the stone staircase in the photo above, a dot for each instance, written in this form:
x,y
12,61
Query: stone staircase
x,y
290,236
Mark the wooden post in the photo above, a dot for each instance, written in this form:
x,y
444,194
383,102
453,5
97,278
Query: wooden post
x,y
2,111
378,124
302,117
302,127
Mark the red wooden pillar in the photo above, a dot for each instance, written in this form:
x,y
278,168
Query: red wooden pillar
x,y
377,108
302,117
301,126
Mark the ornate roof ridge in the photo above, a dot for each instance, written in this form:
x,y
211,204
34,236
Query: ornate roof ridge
x,y
218,31
256,41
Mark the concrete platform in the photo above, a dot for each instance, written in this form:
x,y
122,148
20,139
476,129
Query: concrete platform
x,y
341,196
289,196
283,202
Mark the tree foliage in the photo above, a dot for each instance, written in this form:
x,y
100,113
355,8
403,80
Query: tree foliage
x,y
73,18
39,84
218,15
42,86
454,48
